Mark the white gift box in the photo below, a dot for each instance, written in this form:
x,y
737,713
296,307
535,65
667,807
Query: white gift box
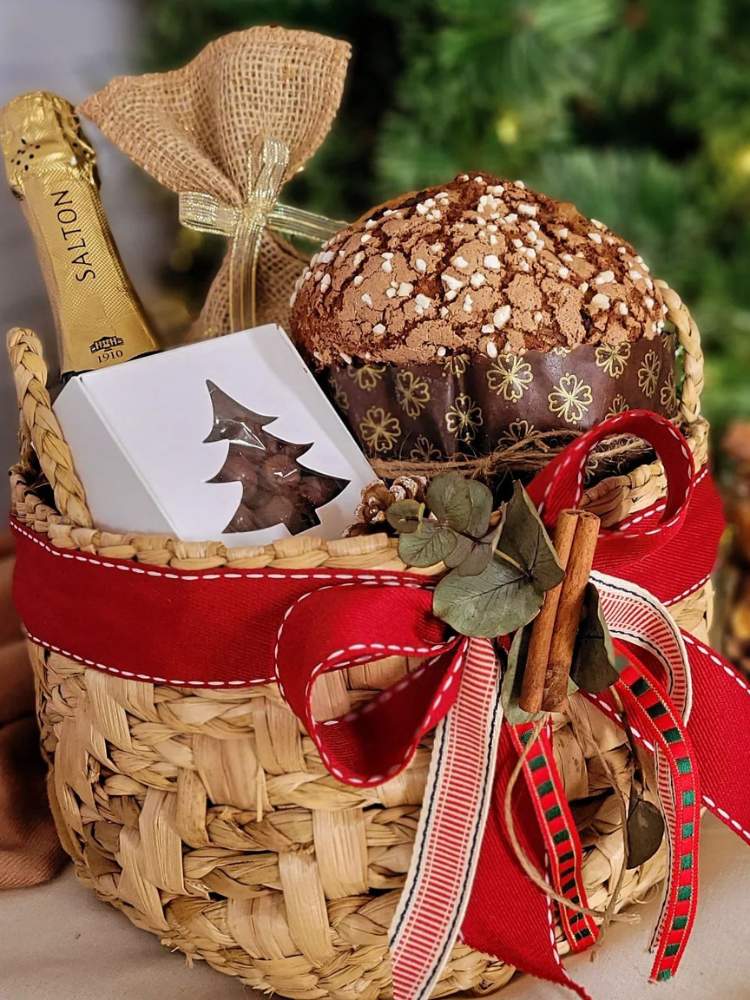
x,y
138,433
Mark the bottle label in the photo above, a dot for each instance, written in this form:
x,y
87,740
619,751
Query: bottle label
x,y
99,319
73,235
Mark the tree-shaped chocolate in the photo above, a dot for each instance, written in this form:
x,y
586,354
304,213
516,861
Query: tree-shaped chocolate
x,y
276,489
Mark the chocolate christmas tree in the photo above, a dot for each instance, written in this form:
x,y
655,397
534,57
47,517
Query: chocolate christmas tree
x,y
275,488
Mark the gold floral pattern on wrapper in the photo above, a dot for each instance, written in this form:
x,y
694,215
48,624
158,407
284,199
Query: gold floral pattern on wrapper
x,y
570,399
454,364
464,418
517,431
618,405
367,376
340,398
613,358
380,430
668,394
648,373
425,451
412,392
510,376
571,390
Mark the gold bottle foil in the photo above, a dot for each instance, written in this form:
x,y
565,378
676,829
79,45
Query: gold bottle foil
x,y
51,169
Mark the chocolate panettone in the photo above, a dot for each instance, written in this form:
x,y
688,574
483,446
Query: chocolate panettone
x,y
450,320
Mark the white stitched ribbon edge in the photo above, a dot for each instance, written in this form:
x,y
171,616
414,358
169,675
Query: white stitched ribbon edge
x,y
451,828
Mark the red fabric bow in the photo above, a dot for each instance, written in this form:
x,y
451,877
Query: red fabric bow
x,y
239,627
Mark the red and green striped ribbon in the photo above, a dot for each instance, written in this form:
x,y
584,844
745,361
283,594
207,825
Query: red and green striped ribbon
x,y
559,833
650,709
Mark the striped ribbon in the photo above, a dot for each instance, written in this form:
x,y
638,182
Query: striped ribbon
x,y
456,801
640,622
651,709
451,827
559,831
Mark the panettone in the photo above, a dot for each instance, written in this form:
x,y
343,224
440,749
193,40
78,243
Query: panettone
x,y
444,317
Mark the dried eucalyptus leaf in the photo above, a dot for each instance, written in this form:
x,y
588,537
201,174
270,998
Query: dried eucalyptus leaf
x,y
462,504
449,499
525,540
460,553
429,544
644,830
510,689
480,498
476,560
495,602
594,665
405,515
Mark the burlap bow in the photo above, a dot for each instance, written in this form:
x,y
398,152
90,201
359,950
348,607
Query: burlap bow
x,y
226,132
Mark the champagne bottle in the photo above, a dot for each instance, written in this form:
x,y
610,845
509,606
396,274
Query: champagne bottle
x,y
51,169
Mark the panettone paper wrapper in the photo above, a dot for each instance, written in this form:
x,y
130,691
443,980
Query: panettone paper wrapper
x,y
470,406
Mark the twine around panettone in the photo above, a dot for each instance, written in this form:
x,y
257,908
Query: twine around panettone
x,y
207,816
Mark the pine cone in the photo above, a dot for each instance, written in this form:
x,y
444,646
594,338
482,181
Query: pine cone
x,y
377,498
409,488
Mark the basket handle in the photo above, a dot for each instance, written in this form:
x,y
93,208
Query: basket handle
x,y
689,337
39,431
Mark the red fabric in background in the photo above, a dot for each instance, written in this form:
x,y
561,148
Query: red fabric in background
x,y
30,851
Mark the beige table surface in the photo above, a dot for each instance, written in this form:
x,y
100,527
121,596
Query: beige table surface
x,y
58,942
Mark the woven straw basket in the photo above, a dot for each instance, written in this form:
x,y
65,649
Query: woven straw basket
x,y
207,817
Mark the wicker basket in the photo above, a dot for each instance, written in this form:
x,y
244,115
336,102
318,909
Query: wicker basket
x,y
270,870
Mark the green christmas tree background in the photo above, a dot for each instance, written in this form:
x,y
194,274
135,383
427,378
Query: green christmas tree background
x,y
636,110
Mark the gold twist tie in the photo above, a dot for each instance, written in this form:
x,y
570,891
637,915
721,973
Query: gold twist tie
x,y
245,225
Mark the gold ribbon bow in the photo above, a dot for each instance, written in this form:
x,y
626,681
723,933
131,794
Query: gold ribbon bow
x,y
244,226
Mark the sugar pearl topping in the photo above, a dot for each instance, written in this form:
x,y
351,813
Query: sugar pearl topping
x,y
478,265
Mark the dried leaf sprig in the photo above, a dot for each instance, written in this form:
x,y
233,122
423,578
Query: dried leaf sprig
x,y
498,572
499,568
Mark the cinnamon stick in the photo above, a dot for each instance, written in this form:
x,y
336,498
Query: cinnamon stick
x,y
535,671
569,611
